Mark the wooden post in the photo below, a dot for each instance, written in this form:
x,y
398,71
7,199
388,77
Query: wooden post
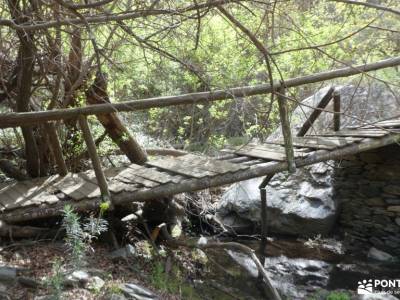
x,y
286,130
263,193
336,111
101,179
56,148
316,112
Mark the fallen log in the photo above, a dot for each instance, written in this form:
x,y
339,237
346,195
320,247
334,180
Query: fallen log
x,y
14,231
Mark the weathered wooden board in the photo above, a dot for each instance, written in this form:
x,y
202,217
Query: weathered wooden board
x,y
210,164
77,187
151,174
25,193
124,175
357,133
176,166
130,176
339,139
118,186
274,148
394,123
258,153
334,143
298,143
116,183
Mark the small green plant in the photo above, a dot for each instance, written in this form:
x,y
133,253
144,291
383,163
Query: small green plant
x,y
80,236
338,296
163,281
55,282
330,295
114,289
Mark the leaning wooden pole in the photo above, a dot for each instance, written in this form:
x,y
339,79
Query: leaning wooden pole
x,y
29,118
286,130
263,194
316,112
101,178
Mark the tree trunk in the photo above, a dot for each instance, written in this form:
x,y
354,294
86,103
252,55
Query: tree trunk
x,y
26,60
97,94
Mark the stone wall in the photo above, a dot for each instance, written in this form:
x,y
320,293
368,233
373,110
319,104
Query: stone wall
x,y
367,187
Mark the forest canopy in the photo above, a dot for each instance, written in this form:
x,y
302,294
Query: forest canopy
x,y
52,54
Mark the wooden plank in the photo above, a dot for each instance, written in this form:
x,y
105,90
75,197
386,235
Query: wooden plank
x,y
210,164
76,187
298,143
22,194
129,176
117,186
317,140
269,155
176,166
151,174
278,149
114,184
357,133
383,124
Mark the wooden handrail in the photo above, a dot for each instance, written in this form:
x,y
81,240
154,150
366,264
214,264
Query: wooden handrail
x,y
32,118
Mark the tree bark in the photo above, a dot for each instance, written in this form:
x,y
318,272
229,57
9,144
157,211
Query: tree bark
x,y
26,60
97,94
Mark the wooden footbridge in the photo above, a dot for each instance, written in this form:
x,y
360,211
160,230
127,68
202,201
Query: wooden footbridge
x,y
167,175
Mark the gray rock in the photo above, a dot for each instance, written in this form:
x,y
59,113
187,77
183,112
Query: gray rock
x,y
95,283
77,277
300,203
137,292
397,220
8,273
392,201
376,297
3,288
377,254
115,297
376,201
123,253
392,189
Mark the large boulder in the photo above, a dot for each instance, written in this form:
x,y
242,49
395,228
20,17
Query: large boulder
x,y
304,203
300,203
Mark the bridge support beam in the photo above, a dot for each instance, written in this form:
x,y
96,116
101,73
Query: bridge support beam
x,y
263,193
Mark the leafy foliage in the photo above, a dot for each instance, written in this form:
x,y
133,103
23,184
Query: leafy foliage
x,y
79,236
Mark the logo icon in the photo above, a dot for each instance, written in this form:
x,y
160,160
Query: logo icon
x,y
365,287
